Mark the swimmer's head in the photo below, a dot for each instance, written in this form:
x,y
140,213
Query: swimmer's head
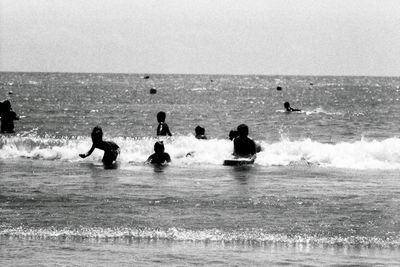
x,y
243,130
199,130
6,105
159,147
161,116
97,134
286,105
233,134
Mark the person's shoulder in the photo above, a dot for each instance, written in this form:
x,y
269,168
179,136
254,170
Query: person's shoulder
x,y
167,156
112,143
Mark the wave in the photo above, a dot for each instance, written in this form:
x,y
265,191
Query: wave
x,y
187,150
245,236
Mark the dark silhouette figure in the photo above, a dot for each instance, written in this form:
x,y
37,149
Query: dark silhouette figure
x,y
146,77
233,134
200,132
8,116
278,88
153,91
289,108
243,146
160,156
111,149
162,128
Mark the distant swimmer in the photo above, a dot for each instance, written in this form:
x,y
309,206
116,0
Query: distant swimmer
x,y
153,91
279,88
162,128
146,77
111,149
8,116
200,132
289,108
243,146
160,156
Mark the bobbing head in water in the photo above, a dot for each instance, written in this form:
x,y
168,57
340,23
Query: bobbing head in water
x,y
286,105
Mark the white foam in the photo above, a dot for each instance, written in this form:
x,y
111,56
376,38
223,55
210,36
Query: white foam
x,y
250,236
362,154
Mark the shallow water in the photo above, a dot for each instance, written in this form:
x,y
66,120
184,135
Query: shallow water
x,y
324,190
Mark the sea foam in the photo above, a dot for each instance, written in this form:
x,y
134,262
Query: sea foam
x,y
187,150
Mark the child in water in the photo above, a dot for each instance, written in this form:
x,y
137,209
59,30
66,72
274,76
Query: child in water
x,y
243,146
160,156
111,149
289,108
162,128
200,132
8,116
233,134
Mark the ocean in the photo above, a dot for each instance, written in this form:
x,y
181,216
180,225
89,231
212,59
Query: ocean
x,y
324,190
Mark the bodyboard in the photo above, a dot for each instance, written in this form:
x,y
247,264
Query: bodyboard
x,y
238,161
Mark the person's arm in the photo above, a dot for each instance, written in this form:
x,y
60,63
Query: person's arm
x,y
168,158
148,161
234,147
254,148
87,153
167,130
15,116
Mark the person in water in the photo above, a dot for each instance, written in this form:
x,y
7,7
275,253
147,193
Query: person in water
x,y
233,134
8,116
160,156
200,132
289,108
162,128
243,146
111,149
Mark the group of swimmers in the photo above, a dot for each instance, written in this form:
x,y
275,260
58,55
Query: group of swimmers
x,y
243,146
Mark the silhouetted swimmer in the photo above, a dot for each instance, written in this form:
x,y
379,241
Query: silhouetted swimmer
x,y
200,132
146,77
278,88
243,146
289,108
153,91
111,149
8,116
162,128
233,134
160,156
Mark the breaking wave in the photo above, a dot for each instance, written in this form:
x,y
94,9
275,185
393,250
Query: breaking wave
x,y
359,155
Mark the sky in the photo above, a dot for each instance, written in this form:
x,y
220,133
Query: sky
x,y
267,37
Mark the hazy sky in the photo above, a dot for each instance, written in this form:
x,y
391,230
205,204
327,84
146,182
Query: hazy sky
x,y
292,37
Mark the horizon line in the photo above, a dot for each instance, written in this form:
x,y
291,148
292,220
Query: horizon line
x,y
204,74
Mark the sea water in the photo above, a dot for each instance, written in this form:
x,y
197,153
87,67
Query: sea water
x,y
324,190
